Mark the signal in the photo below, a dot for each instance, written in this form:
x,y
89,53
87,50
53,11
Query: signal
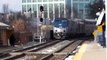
x,y
41,19
41,8
41,15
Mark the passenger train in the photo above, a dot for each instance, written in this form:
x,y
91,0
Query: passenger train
x,y
62,27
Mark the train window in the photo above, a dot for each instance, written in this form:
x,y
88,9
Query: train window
x,y
64,20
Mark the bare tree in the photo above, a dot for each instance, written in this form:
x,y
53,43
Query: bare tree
x,y
19,25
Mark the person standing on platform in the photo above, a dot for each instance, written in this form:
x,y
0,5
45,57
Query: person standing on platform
x,y
103,28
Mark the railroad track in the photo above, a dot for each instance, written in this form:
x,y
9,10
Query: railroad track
x,y
56,50
19,53
64,52
38,46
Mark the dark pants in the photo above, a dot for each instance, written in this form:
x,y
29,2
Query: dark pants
x,y
102,40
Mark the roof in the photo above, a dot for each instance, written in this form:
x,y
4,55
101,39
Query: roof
x,y
3,24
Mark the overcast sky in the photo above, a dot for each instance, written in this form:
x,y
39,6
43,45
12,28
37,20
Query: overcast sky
x,y
14,5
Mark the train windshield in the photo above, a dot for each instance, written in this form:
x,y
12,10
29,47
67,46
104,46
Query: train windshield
x,y
63,23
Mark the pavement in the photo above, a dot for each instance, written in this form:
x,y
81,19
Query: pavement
x,y
91,51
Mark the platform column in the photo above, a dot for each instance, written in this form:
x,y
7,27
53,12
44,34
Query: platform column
x,y
106,21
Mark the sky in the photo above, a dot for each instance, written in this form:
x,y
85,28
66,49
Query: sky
x,y
14,5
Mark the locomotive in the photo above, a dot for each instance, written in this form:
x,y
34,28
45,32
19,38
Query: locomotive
x,y
60,27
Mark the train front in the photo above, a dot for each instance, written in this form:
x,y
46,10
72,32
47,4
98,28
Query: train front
x,y
60,27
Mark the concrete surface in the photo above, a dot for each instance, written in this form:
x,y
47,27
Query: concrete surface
x,y
94,52
91,51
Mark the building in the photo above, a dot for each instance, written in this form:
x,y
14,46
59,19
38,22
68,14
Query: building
x,y
57,8
10,5
82,7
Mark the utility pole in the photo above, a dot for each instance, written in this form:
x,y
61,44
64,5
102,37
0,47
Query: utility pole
x,y
72,10
41,22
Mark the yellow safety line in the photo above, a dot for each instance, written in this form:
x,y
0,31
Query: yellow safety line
x,y
79,54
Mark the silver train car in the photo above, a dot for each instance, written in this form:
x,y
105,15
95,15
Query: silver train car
x,y
83,27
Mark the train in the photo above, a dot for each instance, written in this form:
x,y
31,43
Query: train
x,y
60,27
64,28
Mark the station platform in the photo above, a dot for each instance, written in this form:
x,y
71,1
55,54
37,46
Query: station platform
x,y
91,51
